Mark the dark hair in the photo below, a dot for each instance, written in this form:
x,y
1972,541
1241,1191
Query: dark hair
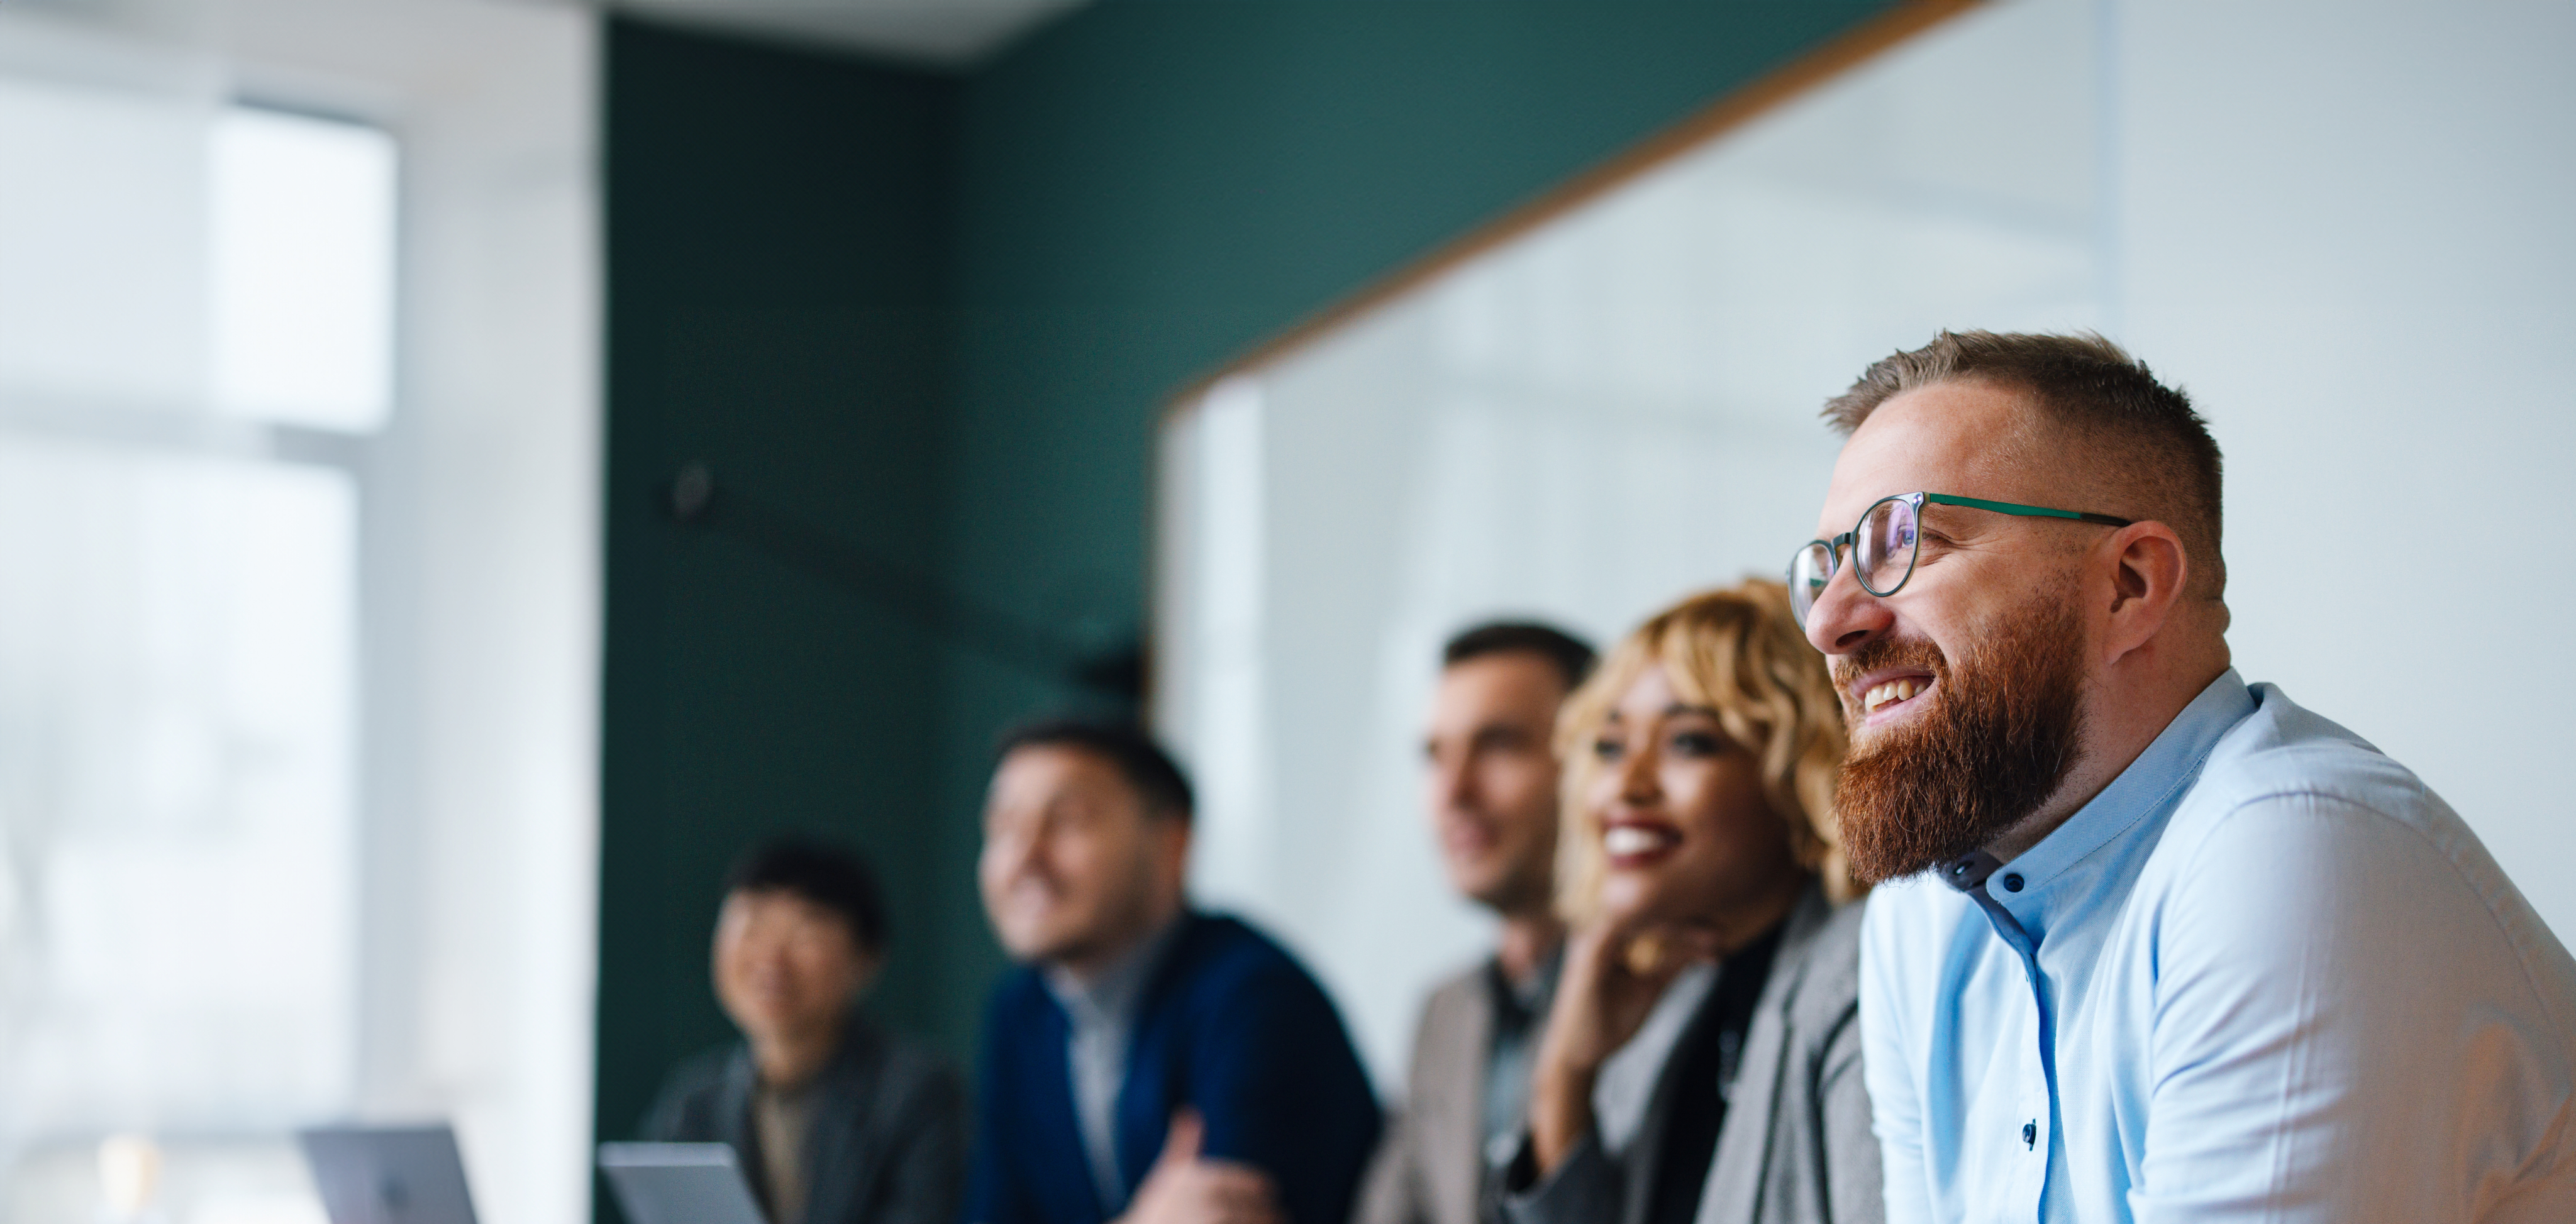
x,y
1156,778
831,876
2167,465
1571,656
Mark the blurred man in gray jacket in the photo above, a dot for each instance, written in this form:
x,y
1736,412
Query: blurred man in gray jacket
x,y
1492,799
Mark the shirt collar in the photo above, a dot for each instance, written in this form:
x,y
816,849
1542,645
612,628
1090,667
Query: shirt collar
x,y
1527,1000
1111,996
2149,784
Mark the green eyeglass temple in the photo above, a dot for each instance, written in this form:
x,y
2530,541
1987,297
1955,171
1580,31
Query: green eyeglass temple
x,y
1802,595
1944,499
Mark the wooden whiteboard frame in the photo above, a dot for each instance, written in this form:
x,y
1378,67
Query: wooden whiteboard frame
x,y
1845,52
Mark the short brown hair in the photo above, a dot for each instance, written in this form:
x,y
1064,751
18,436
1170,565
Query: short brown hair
x,y
2106,400
1739,654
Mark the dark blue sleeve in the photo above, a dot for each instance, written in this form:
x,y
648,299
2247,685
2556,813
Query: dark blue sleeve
x,y
994,1194
1282,1089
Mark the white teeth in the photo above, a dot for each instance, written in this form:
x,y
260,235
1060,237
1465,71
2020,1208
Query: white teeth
x,y
1893,690
1620,841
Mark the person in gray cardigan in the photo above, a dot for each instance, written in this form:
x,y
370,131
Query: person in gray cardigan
x,y
833,1119
1701,1063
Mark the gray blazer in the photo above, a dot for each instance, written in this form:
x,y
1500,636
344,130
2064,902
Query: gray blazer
x,y
1797,1146
887,1144
1430,1168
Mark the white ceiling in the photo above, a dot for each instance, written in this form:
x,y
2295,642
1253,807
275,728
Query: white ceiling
x,y
946,32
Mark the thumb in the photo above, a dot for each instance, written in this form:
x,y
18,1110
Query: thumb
x,y
1181,1142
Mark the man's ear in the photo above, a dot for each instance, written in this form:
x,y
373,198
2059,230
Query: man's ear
x,y
2148,570
1171,841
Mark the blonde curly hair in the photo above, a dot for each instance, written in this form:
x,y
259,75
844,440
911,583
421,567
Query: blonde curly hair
x,y
1739,653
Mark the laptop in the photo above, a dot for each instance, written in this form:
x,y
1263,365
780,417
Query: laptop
x,y
678,1183
388,1174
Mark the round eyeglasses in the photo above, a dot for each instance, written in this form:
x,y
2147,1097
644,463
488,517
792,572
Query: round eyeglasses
x,y
1887,539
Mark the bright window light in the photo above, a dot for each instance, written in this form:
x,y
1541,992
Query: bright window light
x,y
177,816
303,263
102,263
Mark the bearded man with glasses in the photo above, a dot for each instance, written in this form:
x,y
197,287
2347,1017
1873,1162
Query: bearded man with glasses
x,y
2166,946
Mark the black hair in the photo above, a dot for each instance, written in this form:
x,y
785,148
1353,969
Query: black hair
x,y
1571,656
1156,778
832,876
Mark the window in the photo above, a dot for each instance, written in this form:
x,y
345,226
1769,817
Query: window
x,y
196,351
302,219
176,676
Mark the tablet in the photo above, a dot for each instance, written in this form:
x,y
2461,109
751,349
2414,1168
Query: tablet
x,y
678,1183
388,1174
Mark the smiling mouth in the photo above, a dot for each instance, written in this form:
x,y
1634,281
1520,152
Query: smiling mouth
x,y
1466,836
1890,694
1628,845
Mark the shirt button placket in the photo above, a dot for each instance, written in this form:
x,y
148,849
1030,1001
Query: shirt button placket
x,y
2027,1131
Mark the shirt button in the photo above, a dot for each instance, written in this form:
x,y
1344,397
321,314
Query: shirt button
x,y
2030,1135
2012,881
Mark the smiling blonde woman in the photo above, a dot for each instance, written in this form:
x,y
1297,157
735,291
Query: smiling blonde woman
x,y
1703,879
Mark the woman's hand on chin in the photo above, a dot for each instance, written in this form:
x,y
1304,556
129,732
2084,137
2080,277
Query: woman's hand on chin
x,y
1615,969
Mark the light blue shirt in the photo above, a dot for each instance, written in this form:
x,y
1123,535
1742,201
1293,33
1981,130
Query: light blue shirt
x,y
1100,1025
2264,975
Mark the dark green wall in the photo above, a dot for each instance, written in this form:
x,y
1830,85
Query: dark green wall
x,y
937,318
1154,186
777,258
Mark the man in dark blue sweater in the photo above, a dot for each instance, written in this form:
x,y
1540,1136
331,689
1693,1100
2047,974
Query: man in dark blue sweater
x,y
1147,1064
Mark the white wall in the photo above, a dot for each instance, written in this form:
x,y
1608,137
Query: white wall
x,y
2340,228
2345,228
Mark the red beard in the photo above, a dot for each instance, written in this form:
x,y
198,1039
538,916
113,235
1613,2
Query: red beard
x,y
2000,737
